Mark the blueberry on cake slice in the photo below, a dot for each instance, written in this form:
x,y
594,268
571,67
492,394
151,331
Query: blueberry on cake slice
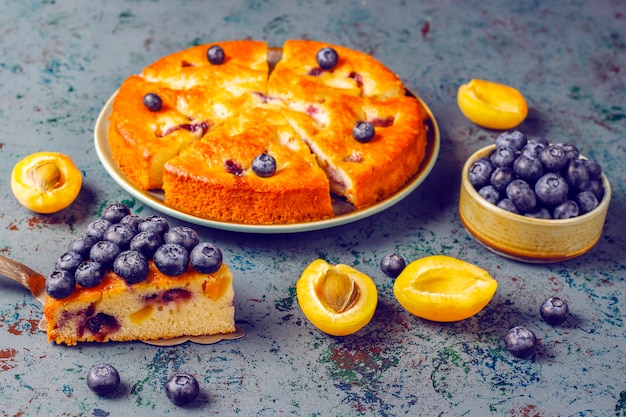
x,y
132,278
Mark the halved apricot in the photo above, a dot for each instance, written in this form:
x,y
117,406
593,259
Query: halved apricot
x,y
338,300
442,288
492,105
46,182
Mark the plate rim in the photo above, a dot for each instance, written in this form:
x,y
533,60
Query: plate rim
x,y
150,198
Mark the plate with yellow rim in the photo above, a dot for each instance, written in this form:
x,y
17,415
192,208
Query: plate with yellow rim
x,y
345,212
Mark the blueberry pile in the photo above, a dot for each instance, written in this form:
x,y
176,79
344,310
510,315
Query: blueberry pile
x,y
535,178
124,243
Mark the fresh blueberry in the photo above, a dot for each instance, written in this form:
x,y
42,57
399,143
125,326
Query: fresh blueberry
x,y
520,193
539,213
507,204
533,148
60,283
115,212
327,58
103,379
132,221
69,261
527,168
157,224
502,177
146,243
104,252
206,258
215,54
520,341
152,102
566,210
183,235
551,189
264,165
570,151
182,388
392,265
595,187
97,228
89,274
171,259
576,174
82,244
132,266
554,311
586,201
490,193
513,139
480,173
553,158
593,168
363,131
503,157
120,234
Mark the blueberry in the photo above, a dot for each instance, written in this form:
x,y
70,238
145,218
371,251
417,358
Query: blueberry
x,y
490,193
551,189
539,213
157,224
89,274
566,210
97,228
120,234
507,204
183,235
171,259
520,341
502,177
182,388
576,174
327,58
586,201
503,157
554,311
528,169
392,265
571,151
104,252
520,193
206,258
593,168
132,266
480,173
595,187
363,131
82,245
215,54
69,261
553,158
264,165
115,212
103,379
60,283
533,148
146,243
132,221
152,102
513,139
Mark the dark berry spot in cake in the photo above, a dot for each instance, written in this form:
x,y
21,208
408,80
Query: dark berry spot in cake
x,y
102,325
315,72
198,128
311,110
382,121
357,77
184,64
233,167
176,295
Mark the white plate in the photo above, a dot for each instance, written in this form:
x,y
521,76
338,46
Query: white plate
x,y
156,200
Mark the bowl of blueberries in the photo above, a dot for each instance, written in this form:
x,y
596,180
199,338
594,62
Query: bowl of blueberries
x,y
531,200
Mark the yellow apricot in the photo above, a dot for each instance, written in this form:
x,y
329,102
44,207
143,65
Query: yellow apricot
x,y
338,300
46,182
492,105
442,288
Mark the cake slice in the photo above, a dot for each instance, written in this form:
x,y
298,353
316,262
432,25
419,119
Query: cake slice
x,y
109,287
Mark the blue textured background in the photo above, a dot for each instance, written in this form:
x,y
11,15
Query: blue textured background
x,y
61,60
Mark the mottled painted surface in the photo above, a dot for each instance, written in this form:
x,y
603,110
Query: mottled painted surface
x,y
61,60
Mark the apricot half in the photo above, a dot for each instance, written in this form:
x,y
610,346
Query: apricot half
x,y
46,182
442,288
338,300
492,105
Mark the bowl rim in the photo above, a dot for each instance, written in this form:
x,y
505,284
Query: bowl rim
x,y
465,182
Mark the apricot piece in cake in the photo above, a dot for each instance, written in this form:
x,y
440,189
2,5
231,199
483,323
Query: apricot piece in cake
x,y
46,182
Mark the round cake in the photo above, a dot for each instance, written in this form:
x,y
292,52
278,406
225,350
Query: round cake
x,y
232,133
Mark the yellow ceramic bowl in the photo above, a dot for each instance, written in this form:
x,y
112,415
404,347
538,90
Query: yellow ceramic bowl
x,y
524,238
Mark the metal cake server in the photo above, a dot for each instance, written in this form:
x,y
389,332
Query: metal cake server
x,y
36,284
